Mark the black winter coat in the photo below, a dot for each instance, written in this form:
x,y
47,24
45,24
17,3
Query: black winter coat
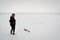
x,y
12,21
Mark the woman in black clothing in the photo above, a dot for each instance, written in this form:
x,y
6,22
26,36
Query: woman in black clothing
x,y
12,23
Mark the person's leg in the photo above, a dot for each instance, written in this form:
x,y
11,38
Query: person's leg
x,y
13,29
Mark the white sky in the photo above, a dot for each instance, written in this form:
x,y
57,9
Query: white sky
x,y
41,6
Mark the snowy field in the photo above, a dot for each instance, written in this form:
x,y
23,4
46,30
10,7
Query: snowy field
x,y
42,27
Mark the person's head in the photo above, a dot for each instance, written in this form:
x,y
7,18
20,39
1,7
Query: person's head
x,y
13,15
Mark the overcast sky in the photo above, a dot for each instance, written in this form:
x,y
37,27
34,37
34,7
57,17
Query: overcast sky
x,y
41,6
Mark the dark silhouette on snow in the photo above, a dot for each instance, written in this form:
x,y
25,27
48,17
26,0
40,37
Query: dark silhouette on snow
x,y
26,30
12,23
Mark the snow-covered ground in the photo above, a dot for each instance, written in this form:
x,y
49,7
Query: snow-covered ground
x,y
42,27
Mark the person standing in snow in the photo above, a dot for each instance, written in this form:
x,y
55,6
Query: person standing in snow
x,y
12,23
